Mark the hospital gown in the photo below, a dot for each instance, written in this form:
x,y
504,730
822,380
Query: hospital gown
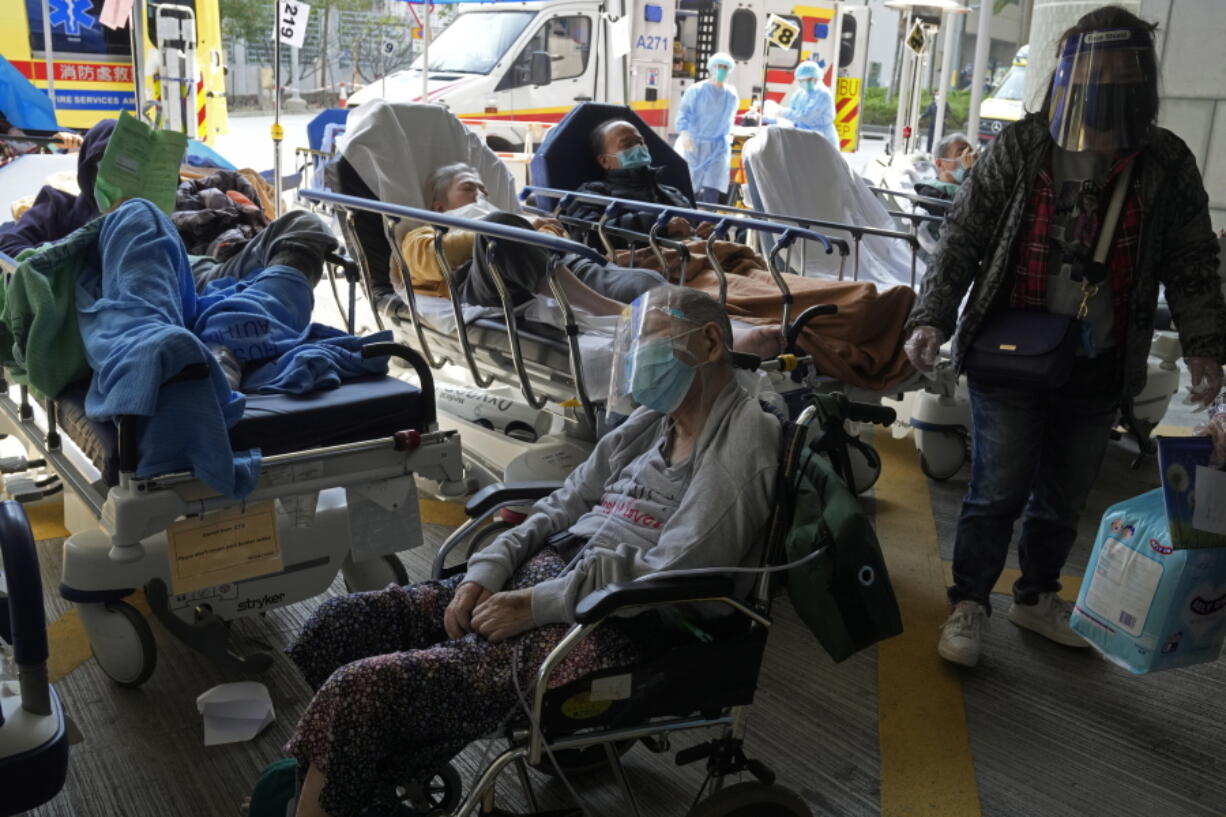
x,y
706,115
811,109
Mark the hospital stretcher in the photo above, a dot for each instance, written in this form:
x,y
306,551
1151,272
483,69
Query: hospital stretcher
x,y
362,443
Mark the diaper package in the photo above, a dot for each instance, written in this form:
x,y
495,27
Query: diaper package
x,y
1144,604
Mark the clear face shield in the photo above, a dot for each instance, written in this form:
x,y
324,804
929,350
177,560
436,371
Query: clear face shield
x,y
653,364
1104,92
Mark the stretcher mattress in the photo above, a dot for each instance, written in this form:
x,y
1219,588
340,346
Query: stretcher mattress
x,y
362,409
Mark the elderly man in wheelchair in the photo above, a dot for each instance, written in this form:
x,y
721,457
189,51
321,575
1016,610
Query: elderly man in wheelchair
x,y
409,676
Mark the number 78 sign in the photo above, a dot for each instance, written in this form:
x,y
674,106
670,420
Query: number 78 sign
x,y
781,31
291,22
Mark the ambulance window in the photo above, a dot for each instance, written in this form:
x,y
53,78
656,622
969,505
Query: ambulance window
x,y
847,44
785,58
567,40
744,34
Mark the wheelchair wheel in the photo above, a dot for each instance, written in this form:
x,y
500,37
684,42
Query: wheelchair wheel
x,y
752,800
438,795
865,467
580,762
373,574
121,641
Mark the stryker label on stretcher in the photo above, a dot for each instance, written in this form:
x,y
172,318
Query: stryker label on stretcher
x,y
1144,604
228,546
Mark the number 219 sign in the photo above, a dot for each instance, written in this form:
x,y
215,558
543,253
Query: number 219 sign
x,y
291,22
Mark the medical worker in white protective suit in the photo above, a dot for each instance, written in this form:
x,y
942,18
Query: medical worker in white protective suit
x,y
704,129
810,105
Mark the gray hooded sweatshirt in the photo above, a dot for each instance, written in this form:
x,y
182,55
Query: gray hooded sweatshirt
x,y
641,515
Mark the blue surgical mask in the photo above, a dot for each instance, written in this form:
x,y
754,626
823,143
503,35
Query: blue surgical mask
x,y
959,173
658,379
637,156
720,73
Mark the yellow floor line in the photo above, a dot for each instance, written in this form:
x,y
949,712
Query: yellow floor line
x,y
926,764
435,512
46,520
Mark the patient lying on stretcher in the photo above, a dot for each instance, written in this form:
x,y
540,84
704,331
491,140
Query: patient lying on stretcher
x,y
862,345
598,289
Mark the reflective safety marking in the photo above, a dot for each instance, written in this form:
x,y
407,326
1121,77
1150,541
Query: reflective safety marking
x,y
926,765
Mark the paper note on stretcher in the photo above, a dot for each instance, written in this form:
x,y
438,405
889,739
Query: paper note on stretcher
x,y
228,546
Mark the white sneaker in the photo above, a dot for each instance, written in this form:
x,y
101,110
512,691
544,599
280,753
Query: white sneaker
x,y
1049,618
962,632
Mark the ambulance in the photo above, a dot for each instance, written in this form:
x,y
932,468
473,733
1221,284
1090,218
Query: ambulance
x,y
534,61
93,74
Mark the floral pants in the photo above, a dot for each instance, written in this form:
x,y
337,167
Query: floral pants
x,y
396,698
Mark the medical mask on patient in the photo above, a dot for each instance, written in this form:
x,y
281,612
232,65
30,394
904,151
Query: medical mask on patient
x,y
959,173
634,157
658,379
478,209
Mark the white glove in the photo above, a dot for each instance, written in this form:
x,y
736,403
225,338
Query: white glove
x,y
684,143
924,347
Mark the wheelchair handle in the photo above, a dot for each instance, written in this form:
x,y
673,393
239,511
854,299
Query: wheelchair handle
x,y
867,412
798,325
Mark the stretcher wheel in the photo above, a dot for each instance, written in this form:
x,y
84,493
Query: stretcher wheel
x,y
942,453
752,800
440,794
121,640
373,574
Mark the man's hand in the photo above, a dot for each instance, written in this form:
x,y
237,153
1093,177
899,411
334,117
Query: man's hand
x,y
457,620
678,228
504,615
705,229
69,141
549,224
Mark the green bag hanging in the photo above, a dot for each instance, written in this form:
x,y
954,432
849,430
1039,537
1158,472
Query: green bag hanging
x,y
843,595
139,163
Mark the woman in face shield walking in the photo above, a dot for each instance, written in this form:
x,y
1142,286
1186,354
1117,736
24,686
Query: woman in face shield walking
x,y
1063,233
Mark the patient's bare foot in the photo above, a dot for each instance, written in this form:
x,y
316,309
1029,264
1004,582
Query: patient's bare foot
x,y
764,341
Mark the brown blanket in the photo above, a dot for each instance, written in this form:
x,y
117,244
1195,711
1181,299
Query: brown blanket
x,y
861,346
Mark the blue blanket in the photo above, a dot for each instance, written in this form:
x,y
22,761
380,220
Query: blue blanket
x,y
142,323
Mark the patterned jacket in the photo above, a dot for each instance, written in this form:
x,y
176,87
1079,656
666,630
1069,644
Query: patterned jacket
x,y
1177,248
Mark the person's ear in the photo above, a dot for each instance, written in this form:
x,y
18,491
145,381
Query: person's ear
x,y
607,162
714,340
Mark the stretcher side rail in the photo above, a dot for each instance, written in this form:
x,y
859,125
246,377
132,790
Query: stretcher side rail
x,y
551,243
857,232
787,235
943,204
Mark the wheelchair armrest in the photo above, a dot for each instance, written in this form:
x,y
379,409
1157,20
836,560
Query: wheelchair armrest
x,y
493,495
600,603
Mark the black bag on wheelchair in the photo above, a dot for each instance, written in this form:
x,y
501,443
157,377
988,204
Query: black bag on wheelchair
x,y
843,595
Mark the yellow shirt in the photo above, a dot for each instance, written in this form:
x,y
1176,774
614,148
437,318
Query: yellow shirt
x,y
424,272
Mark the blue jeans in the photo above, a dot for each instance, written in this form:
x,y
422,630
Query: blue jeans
x,y
1038,452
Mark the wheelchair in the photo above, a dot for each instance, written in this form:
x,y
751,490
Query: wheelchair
x,y
698,676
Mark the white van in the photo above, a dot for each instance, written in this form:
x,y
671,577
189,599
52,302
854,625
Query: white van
x,y
534,61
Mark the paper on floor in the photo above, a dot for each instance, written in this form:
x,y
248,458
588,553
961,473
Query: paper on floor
x,y
235,712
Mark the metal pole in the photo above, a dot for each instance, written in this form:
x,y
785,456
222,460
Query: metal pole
x,y
947,61
916,95
278,132
905,57
49,53
983,44
425,56
137,32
